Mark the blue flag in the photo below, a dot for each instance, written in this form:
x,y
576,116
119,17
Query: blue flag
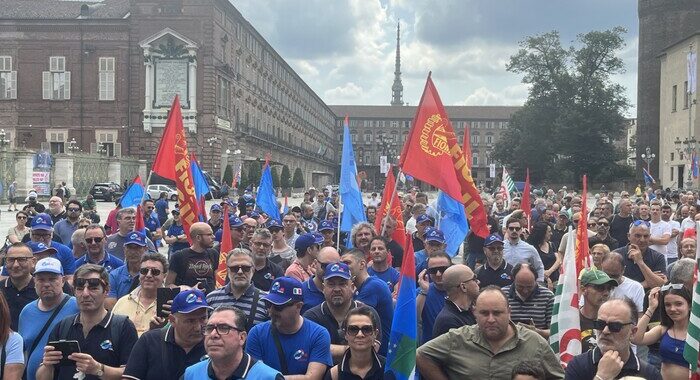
x,y
453,222
266,200
350,196
201,187
133,195
648,179
401,357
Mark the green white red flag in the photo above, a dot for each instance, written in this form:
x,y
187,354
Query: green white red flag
x,y
692,339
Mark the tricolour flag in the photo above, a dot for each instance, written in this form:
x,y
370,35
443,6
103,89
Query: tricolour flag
x,y
692,339
432,154
565,329
648,179
383,210
172,161
525,203
353,210
224,248
134,194
401,357
266,199
237,178
507,187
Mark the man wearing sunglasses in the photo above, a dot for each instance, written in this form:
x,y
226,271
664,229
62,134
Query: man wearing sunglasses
x,y
289,342
602,235
613,357
517,251
166,352
431,295
240,292
65,227
313,287
596,287
95,242
125,278
126,220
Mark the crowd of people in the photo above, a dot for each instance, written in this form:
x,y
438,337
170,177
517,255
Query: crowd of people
x,y
105,301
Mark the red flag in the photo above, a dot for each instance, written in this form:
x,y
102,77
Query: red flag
x,y
173,162
466,146
140,223
400,234
432,154
582,258
525,203
224,249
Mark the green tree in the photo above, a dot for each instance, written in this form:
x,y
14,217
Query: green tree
x,y
254,173
275,177
574,112
298,180
228,175
286,177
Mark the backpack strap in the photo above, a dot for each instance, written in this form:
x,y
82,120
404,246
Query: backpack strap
x,y
253,309
280,350
3,359
116,326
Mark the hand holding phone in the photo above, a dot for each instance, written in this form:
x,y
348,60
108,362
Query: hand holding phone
x,y
65,347
163,296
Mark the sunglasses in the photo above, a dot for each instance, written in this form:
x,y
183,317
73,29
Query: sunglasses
x,y
73,209
21,217
668,287
603,224
93,240
614,327
92,283
236,268
353,330
514,228
591,224
153,271
435,270
221,329
640,222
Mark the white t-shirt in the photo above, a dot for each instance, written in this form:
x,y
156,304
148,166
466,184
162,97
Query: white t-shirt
x,y
632,289
687,223
658,230
672,246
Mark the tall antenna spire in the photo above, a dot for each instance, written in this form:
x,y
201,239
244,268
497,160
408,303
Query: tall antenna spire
x,y
397,87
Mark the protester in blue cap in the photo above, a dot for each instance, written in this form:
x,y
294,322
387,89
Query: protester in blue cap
x,y
423,221
237,229
175,234
307,247
42,232
327,229
125,278
216,218
305,345
434,243
495,271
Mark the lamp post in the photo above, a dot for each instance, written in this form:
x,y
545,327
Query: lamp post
x,y
72,145
3,141
688,147
648,157
211,141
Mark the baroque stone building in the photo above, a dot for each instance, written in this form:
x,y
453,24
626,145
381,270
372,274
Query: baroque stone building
x,y
100,76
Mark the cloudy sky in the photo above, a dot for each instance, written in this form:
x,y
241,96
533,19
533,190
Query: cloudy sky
x,y
345,49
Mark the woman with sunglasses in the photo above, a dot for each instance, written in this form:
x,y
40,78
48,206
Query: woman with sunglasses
x,y
671,333
140,304
361,327
540,238
17,233
10,346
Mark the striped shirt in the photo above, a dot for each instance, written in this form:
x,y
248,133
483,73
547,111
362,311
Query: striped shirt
x,y
224,297
538,306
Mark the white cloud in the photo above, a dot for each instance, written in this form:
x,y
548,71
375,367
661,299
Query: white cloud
x,y
346,94
509,96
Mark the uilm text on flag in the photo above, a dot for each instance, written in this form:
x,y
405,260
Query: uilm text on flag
x,y
172,161
224,248
432,154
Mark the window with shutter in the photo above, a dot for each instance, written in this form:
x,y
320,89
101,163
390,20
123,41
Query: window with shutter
x,y
8,79
106,78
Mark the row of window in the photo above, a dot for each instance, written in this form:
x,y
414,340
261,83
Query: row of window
x,y
674,97
393,137
457,125
56,81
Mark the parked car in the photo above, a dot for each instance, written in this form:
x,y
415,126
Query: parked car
x,y
155,190
107,191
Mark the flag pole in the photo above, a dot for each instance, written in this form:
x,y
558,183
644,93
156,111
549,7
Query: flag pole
x,y
391,200
340,210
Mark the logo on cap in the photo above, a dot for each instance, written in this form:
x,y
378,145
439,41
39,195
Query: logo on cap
x,y
39,220
277,288
296,291
191,298
335,267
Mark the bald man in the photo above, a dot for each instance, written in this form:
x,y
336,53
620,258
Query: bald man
x,y
462,288
195,265
313,287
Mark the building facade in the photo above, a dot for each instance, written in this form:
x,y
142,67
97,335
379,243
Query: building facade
x,y
678,115
100,76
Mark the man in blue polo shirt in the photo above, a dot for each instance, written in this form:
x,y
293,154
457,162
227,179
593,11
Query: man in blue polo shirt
x,y
434,243
371,291
303,344
95,241
313,293
150,220
123,279
431,294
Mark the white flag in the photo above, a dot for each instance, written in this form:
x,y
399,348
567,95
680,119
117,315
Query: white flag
x,y
692,72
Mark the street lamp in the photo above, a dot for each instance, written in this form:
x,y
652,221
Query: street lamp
x,y
72,145
211,141
648,157
687,146
3,141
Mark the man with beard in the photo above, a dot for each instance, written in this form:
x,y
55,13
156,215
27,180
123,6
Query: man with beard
x,y
301,347
360,236
496,271
308,222
56,209
462,288
197,264
530,304
468,352
602,235
249,226
265,270
240,292
126,220
380,266
312,287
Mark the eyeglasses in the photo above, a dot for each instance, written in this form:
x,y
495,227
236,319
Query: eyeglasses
x,y
639,222
154,271
221,329
94,240
471,279
603,224
20,259
236,268
41,236
668,287
92,283
353,330
261,244
435,270
514,228
73,209
495,247
614,327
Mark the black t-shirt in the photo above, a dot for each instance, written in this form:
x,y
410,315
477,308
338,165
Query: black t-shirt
x,y
262,279
396,253
322,315
585,366
619,227
192,267
588,339
500,277
451,317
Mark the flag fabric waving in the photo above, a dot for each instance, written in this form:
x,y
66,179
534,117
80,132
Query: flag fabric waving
x,y
265,199
648,179
134,194
285,206
140,224
353,210
525,203
237,177
466,146
692,339
172,161
399,235
583,259
401,357
507,187
692,72
201,187
565,329
432,154
224,248
453,222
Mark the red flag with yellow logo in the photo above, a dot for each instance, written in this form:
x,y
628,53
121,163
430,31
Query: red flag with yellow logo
x,y
172,161
432,154
400,234
224,249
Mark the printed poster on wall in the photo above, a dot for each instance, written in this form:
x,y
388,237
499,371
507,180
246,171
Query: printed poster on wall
x,y
41,182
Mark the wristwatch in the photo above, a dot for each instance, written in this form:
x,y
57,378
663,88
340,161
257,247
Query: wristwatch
x,y
100,371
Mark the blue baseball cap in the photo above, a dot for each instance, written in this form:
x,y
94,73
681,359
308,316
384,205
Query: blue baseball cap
x,y
42,222
189,301
137,238
492,239
48,265
326,225
215,207
305,241
284,290
422,218
319,239
337,270
41,248
273,224
433,234
254,215
234,221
